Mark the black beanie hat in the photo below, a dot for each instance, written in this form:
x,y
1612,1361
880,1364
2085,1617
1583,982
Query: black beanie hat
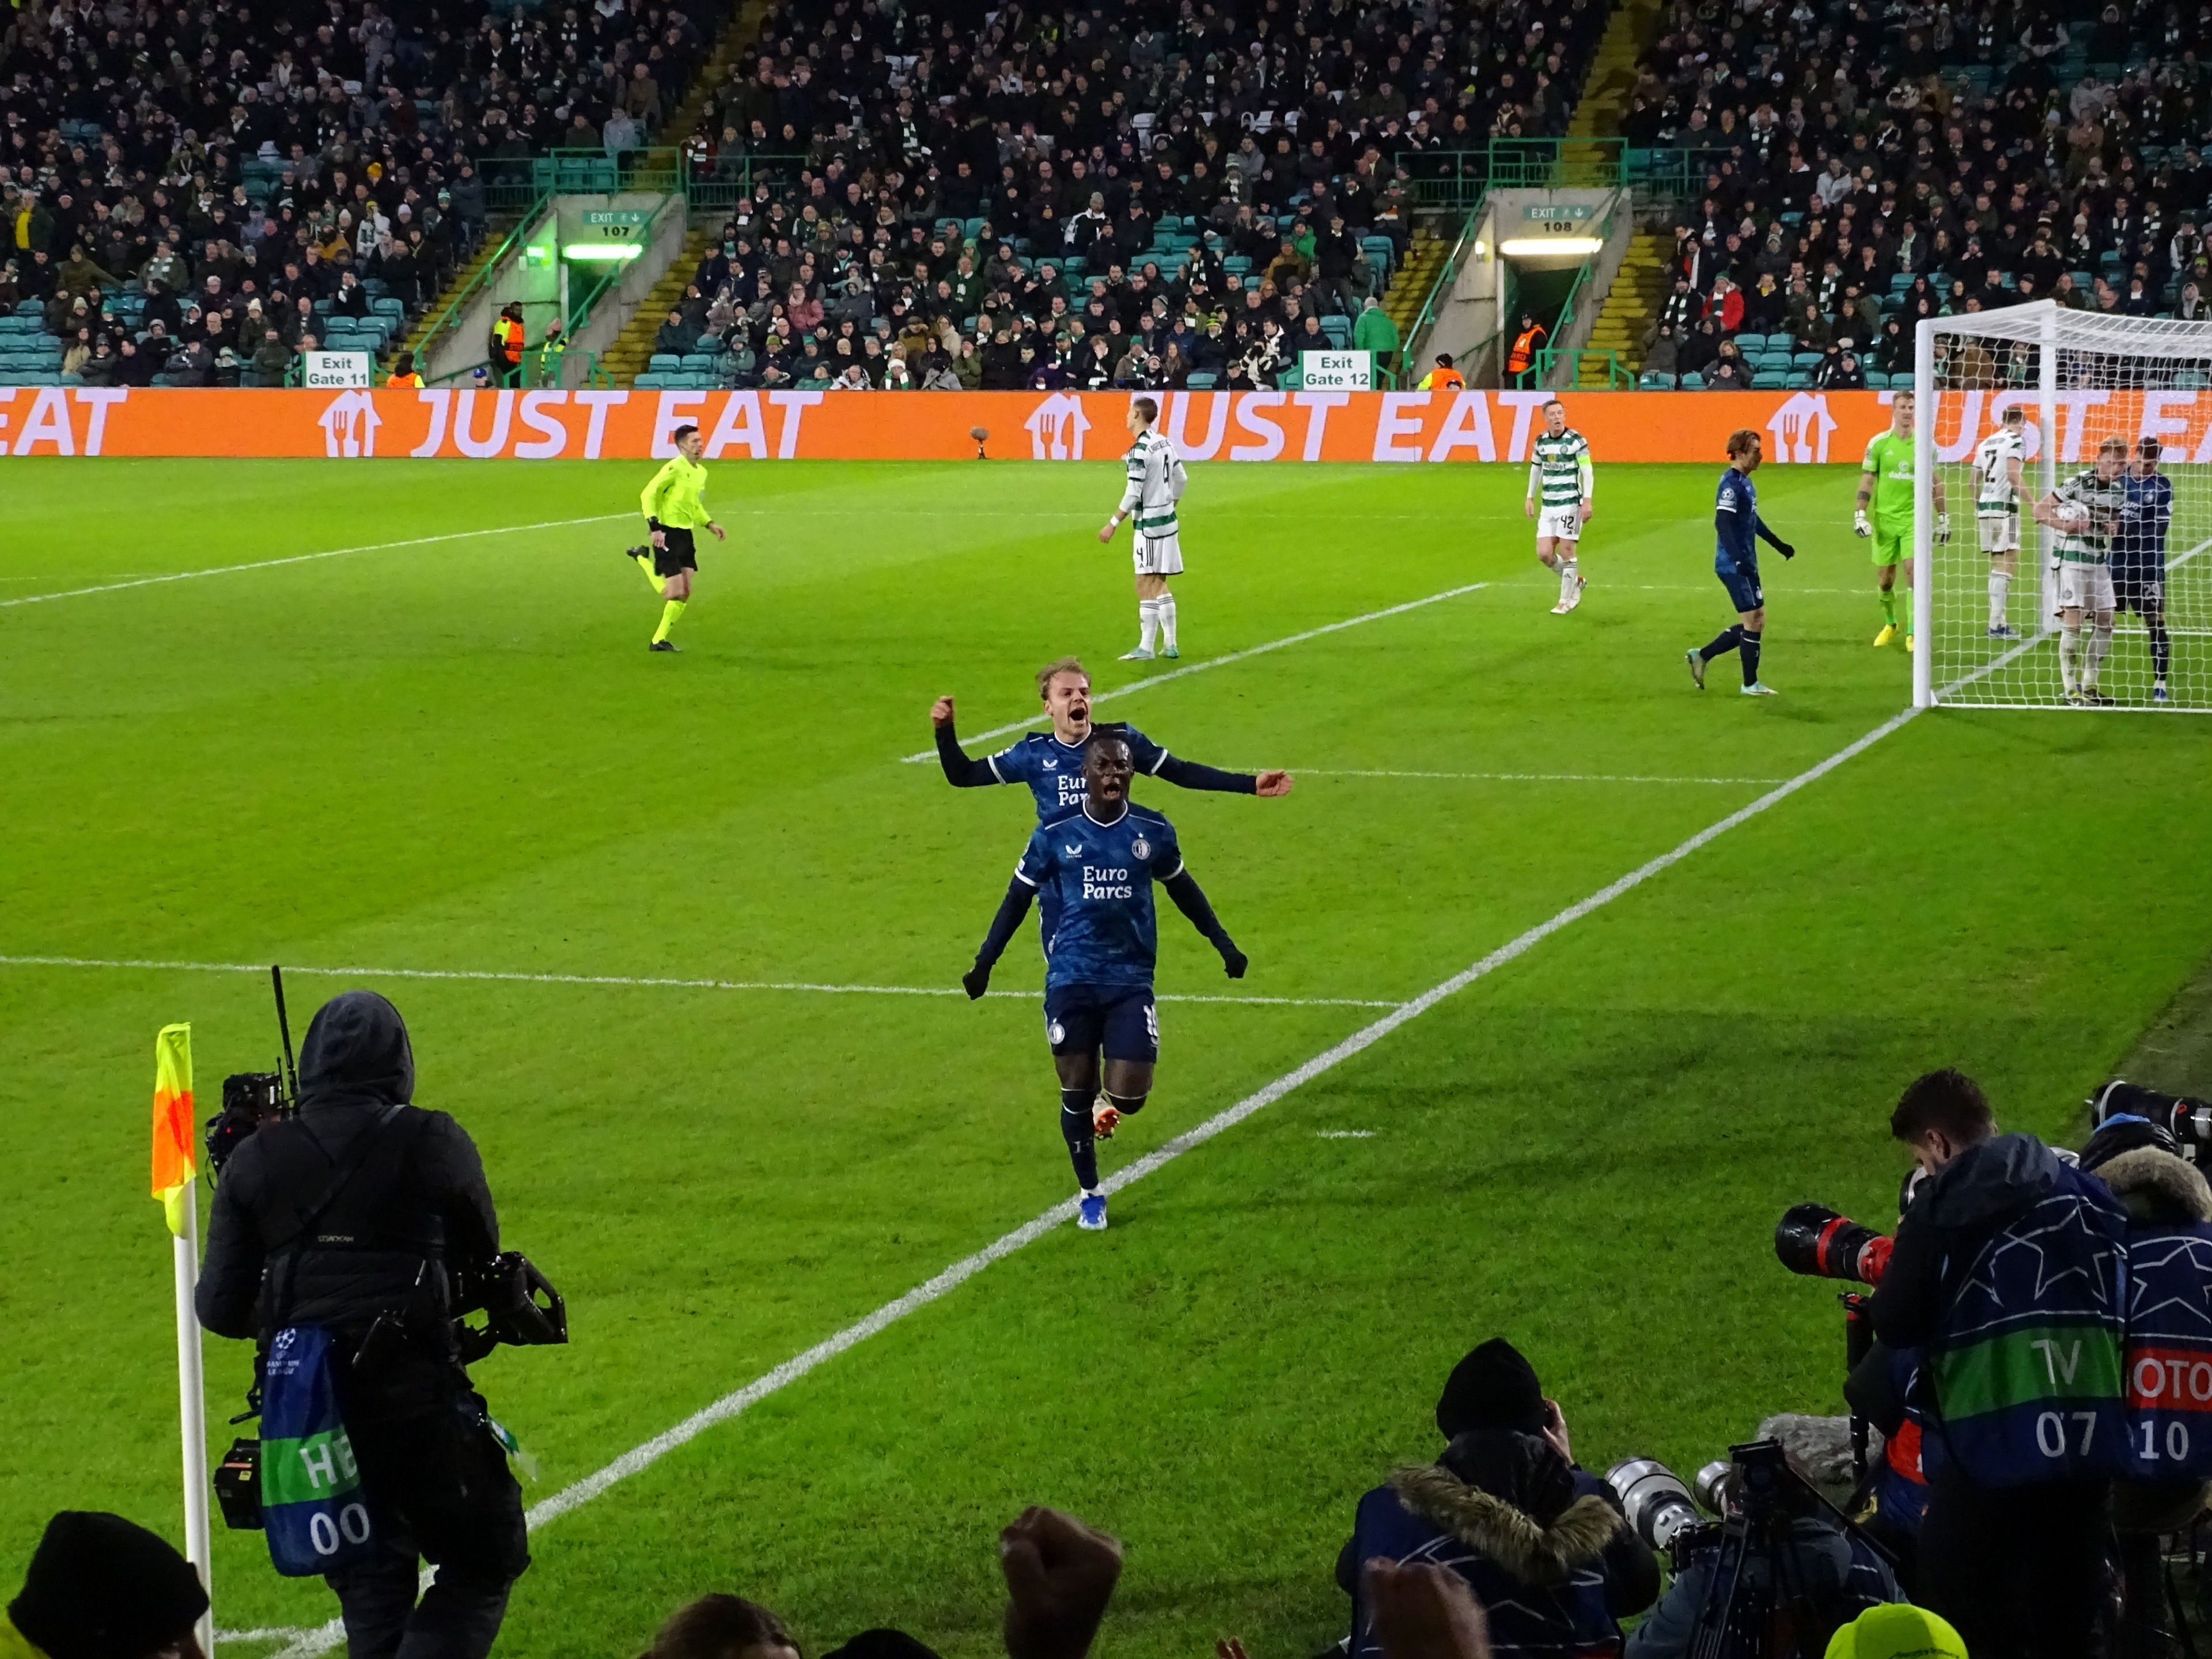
x,y
1493,1387
100,1587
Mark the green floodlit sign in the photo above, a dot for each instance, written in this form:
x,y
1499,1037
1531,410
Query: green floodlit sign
x,y
627,218
603,251
537,255
1576,212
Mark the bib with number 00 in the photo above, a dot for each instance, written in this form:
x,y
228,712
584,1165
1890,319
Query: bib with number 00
x,y
312,1507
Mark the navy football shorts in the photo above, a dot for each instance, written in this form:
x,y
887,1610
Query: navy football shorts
x,y
1081,1019
1742,584
2139,588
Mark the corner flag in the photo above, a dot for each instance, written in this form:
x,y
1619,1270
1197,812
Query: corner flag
x,y
176,1145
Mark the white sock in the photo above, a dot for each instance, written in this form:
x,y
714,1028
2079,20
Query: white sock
x,y
1165,606
2101,641
2069,656
2000,587
1148,623
1570,573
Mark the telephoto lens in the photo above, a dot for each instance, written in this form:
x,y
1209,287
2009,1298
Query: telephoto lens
x,y
1816,1241
1716,1486
2188,1120
1653,1499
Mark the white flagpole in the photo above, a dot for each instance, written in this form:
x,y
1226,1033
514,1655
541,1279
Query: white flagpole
x,y
191,1411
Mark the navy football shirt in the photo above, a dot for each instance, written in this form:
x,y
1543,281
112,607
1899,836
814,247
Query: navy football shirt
x,y
2146,510
1735,521
1101,875
1054,770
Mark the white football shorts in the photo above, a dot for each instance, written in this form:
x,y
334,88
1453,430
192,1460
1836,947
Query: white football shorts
x,y
2000,532
1561,523
2084,586
1159,556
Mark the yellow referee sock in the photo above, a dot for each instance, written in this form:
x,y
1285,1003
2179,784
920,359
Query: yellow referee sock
x,y
645,563
669,613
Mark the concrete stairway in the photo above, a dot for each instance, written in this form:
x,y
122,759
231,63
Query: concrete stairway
x,y
1632,304
626,359
1416,275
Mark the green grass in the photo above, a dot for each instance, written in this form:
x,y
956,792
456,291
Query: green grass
x,y
457,756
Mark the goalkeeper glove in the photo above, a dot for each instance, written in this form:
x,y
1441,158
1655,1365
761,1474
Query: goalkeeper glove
x,y
1233,961
976,980
1785,549
1859,525
1942,526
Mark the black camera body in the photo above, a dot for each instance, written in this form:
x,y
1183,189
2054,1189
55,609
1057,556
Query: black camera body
x,y
520,1305
250,1099
238,1486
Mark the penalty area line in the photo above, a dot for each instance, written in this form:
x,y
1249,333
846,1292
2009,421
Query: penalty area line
x,y
307,558
1217,662
641,982
1519,777
640,1458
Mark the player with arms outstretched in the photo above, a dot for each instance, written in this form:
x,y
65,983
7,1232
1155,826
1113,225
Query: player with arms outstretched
x,y
1737,532
1101,862
1052,762
2139,554
1156,482
2000,465
675,506
1885,486
2084,511
1560,482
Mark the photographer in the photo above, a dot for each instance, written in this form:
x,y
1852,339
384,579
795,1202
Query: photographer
x,y
1833,1576
1541,1543
352,1216
2007,1273
2169,1209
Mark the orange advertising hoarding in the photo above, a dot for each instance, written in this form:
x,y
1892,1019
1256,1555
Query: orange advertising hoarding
x,y
1403,427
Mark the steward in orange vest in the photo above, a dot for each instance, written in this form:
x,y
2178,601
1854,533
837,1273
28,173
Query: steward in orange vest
x,y
1526,345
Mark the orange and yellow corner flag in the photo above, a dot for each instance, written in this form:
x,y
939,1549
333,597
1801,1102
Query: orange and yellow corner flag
x,y
176,1145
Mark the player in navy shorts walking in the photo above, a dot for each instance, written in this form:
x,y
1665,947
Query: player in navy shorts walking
x,y
1100,863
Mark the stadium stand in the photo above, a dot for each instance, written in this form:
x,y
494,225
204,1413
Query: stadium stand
x,y
208,170
1864,167
1145,196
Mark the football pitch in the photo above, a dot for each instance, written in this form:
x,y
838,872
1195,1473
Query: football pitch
x,y
679,939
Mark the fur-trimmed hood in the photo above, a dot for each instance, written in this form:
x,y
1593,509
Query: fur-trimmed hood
x,y
1517,1541
2158,1188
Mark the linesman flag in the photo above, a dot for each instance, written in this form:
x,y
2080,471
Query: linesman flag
x,y
175,1148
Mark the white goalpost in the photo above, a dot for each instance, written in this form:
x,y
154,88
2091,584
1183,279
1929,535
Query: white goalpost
x,y
2076,579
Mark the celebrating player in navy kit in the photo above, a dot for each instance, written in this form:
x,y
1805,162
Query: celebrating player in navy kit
x,y
1051,763
1737,531
1099,862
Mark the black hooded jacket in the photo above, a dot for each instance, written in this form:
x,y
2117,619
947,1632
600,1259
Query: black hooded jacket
x,y
1972,1198
415,1201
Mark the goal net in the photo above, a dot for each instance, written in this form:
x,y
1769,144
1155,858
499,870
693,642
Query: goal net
x,y
2077,571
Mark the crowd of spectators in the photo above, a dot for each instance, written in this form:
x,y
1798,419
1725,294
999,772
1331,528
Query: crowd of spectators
x,y
198,191
1865,167
1151,195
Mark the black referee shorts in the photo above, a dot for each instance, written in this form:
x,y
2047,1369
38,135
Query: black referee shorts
x,y
680,554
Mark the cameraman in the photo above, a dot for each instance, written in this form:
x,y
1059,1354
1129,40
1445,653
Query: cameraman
x,y
350,1216
2007,1272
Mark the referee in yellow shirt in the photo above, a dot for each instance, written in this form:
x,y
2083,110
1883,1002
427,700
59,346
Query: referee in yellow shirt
x,y
675,506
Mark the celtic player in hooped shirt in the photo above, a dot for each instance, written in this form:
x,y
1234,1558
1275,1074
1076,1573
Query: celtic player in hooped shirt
x,y
1101,862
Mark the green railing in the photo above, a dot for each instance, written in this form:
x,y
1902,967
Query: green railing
x,y
662,170
449,319
1425,320
534,372
1456,180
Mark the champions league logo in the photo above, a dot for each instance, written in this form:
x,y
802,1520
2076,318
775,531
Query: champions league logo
x,y
1141,848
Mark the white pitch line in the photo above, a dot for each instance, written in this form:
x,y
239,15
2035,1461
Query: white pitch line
x,y
273,1633
1521,777
307,558
1344,1134
642,981
1217,662
933,1290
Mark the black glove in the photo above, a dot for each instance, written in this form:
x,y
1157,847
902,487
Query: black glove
x,y
977,980
1233,961
1785,549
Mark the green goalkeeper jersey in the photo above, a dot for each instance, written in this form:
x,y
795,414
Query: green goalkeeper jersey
x,y
1889,457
